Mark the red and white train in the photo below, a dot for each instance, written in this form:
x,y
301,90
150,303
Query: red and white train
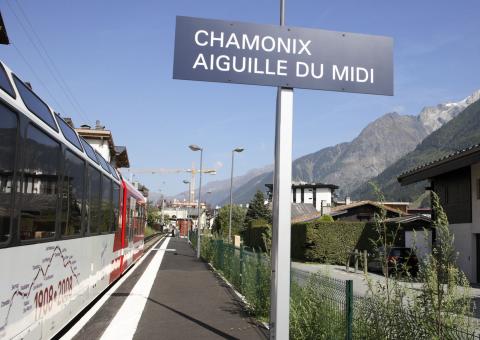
x,y
69,224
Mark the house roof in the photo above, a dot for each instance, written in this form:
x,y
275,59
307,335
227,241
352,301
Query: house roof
x,y
450,162
304,212
308,185
342,209
121,157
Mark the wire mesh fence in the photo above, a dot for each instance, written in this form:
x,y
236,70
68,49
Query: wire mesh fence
x,y
321,307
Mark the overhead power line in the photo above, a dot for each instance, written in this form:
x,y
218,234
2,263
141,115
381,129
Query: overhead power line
x,y
48,61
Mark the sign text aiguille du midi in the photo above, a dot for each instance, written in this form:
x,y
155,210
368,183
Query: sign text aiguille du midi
x,y
246,53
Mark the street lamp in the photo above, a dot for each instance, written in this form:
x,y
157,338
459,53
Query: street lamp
x,y
194,147
231,196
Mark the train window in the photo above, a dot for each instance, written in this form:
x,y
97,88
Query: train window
x,y
69,133
40,185
8,143
95,191
35,104
72,195
5,84
89,150
112,171
116,206
107,220
102,161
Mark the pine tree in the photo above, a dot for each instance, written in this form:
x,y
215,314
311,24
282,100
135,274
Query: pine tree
x,y
258,210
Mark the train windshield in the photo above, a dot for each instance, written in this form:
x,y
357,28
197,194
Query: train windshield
x,y
5,84
103,162
89,150
69,133
35,104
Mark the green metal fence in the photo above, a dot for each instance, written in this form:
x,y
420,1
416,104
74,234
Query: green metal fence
x,y
321,307
247,271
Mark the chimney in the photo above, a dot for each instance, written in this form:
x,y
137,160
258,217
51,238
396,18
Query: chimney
x,y
69,121
98,126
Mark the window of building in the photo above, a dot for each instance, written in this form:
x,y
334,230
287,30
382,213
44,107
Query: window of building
x,y
95,199
107,212
40,185
5,83
69,133
72,195
35,104
89,150
8,145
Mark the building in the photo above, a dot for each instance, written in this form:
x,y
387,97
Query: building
x,y
317,194
363,211
102,141
456,180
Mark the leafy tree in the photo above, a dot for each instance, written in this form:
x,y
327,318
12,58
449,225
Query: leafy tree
x,y
152,215
258,210
221,223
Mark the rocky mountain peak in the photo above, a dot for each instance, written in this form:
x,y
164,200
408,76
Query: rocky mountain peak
x,y
433,117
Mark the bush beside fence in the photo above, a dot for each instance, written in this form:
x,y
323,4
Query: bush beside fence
x,y
321,307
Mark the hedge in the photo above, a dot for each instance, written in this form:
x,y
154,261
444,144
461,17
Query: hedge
x,y
330,242
253,234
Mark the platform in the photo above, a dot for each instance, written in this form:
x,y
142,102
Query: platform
x,y
168,295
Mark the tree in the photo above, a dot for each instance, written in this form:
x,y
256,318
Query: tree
x,y
258,210
221,223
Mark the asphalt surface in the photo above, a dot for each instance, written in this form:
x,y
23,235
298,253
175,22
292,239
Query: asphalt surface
x,y
187,301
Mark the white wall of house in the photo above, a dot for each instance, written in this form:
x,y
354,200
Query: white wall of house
x,y
419,240
322,194
464,243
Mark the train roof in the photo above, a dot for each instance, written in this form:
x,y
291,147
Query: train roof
x,y
20,96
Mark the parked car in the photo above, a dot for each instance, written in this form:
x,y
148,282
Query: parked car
x,y
399,259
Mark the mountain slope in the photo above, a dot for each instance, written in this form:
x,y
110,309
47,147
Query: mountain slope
x,y
379,145
460,132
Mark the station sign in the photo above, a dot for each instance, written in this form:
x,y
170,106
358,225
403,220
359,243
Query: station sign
x,y
283,56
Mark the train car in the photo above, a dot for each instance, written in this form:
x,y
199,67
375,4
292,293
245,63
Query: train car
x,y
69,224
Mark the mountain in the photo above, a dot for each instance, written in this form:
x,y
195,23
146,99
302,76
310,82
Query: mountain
x,y
379,145
457,134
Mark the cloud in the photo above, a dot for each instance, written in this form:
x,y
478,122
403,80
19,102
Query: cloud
x,y
218,164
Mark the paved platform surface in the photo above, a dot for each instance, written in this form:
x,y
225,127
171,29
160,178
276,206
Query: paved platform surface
x,y
183,300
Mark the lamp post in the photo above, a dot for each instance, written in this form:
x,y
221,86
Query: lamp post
x,y
194,147
231,196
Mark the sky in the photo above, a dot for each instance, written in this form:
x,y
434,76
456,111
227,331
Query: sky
x,y
116,57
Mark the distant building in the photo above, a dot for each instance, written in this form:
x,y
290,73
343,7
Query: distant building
x,y
456,180
317,194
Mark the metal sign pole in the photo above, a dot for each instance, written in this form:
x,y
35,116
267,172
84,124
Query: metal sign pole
x,y
282,186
